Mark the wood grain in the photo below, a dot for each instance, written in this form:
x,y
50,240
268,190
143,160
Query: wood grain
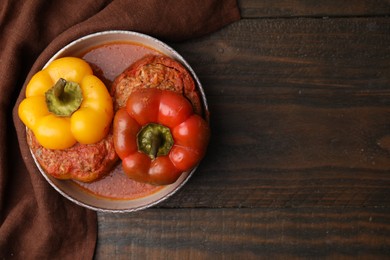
x,y
309,8
299,162
245,233
298,111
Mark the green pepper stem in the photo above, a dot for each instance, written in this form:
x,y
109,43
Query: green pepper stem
x,y
64,98
155,144
58,88
154,140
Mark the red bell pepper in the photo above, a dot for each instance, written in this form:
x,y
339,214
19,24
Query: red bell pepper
x,y
158,136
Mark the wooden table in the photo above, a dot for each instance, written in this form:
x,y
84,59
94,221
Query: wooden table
x,y
299,162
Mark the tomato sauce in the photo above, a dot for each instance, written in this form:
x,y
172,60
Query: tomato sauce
x,y
116,185
112,59
108,61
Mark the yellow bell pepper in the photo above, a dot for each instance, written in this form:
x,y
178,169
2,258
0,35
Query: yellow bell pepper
x,y
65,104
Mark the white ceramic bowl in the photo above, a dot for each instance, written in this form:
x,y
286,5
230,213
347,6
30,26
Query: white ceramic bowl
x,y
75,193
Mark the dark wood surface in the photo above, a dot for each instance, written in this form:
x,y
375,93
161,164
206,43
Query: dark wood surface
x,y
299,162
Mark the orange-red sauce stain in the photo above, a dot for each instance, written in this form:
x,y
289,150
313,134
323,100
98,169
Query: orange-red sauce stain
x,y
111,60
117,185
114,58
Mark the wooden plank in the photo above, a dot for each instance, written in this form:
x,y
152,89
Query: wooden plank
x,y
282,188
245,233
321,57
309,8
299,114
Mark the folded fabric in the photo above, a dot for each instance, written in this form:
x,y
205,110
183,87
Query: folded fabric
x,y
36,222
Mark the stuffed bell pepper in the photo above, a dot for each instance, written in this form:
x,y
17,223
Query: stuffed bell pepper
x,y
158,136
68,112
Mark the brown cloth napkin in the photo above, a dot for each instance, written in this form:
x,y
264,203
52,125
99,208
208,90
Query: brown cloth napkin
x,y
36,222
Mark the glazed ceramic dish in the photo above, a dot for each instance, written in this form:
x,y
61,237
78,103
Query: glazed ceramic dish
x,y
76,193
